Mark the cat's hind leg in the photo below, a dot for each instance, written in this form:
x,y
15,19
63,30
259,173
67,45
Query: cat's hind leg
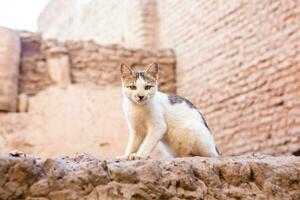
x,y
204,142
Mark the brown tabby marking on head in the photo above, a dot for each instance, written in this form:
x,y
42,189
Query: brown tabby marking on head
x,y
129,76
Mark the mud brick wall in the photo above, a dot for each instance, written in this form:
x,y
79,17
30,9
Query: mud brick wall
x,y
34,75
90,63
239,61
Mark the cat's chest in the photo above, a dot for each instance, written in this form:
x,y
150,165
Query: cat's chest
x,y
139,117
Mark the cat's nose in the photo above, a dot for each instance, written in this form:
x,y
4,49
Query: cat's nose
x,y
141,97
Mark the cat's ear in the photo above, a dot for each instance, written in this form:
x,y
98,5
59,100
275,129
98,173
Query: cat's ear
x,y
152,70
126,71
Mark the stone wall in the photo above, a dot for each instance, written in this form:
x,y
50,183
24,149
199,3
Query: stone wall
x,y
87,177
89,63
239,62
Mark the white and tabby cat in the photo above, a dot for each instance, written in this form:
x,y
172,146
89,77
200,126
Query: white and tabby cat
x,y
154,117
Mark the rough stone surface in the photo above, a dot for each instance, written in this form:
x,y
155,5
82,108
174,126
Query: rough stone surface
x,y
89,63
88,177
9,69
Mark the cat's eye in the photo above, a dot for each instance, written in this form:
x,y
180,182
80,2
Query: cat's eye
x,y
148,87
132,87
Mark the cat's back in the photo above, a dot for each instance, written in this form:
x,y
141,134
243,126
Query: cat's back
x,y
178,110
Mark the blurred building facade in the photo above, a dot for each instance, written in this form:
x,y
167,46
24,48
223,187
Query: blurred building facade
x,y
66,95
237,60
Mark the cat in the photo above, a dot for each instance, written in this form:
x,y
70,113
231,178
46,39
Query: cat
x,y
155,117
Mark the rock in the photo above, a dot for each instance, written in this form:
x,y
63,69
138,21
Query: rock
x,y
9,69
40,188
88,177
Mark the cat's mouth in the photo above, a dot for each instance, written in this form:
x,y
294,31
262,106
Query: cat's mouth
x,y
141,102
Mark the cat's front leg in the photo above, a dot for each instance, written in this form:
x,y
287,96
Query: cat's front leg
x,y
134,141
154,135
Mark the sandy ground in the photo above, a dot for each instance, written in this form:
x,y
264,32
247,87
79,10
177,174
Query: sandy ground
x,y
79,118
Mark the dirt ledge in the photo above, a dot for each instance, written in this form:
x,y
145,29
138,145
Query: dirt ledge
x,y
87,177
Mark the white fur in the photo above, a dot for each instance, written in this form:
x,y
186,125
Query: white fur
x,y
179,127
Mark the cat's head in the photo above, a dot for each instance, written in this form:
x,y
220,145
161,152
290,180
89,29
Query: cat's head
x,y
139,86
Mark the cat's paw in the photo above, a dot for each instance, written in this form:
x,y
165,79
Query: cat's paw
x,y
135,156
